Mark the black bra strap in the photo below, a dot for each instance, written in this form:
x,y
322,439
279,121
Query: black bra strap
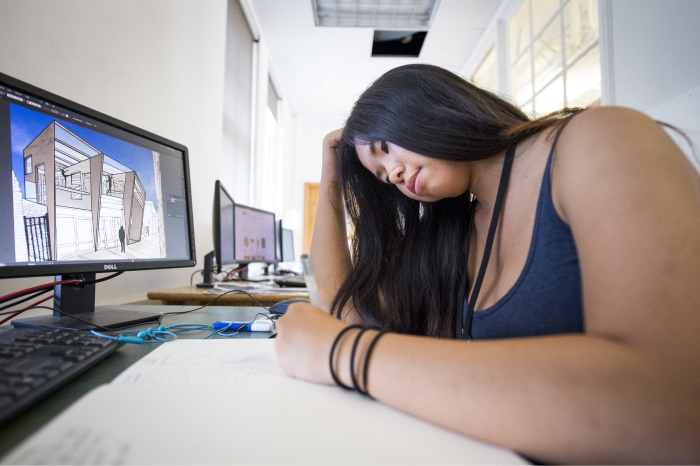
x,y
468,316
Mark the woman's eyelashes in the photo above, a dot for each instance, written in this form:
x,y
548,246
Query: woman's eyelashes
x,y
384,147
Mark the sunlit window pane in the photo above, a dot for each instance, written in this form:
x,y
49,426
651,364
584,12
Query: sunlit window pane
x,y
519,31
528,109
551,98
580,26
547,54
521,80
583,80
542,10
485,75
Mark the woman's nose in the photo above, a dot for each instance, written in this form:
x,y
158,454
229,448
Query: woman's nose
x,y
396,174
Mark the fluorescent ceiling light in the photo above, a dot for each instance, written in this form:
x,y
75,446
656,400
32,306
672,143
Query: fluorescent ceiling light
x,y
414,14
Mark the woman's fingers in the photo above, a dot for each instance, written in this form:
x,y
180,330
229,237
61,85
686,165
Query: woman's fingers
x,y
330,154
332,139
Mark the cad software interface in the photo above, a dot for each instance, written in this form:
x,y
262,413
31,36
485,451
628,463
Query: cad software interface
x,y
77,190
255,235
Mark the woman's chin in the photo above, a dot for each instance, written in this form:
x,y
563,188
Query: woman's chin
x,y
421,198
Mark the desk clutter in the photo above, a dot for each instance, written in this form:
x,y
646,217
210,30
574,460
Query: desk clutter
x,y
228,401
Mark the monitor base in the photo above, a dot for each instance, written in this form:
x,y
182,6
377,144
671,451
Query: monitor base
x,y
109,318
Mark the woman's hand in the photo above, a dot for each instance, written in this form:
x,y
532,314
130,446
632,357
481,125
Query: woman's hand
x,y
330,156
305,335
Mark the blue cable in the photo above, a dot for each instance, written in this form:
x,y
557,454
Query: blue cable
x,y
163,334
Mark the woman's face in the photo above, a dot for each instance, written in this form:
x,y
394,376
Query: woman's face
x,y
417,176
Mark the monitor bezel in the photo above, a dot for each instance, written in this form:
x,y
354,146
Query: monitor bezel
x,y
216,222
278,240
42,269
243,261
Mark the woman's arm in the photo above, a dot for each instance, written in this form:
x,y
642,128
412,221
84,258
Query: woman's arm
x,y
329,254
626,391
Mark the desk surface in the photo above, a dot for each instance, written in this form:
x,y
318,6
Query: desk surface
x,y
193,296
106,370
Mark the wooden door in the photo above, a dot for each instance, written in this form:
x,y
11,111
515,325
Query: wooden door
x,y
310,206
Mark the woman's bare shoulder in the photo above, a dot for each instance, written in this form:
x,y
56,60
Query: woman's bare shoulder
x,y
632,200
615,145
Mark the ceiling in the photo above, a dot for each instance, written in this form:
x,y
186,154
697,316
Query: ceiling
x,y
325,69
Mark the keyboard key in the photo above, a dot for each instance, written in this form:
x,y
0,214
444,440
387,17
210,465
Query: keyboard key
x,y
32,382
76,357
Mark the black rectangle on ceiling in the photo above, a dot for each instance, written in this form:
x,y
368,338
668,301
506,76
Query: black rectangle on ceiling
x,y
407,44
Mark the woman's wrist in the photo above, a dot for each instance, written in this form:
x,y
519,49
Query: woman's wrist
x,y
343,356
330,175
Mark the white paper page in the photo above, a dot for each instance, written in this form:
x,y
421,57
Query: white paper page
x,y
205,362
265,417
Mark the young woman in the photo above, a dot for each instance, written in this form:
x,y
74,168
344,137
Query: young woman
x,y
580,339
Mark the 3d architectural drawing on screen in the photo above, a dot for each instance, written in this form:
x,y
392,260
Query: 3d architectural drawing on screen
x,y
81,204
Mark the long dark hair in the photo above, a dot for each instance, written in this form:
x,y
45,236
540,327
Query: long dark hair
x,y
408,257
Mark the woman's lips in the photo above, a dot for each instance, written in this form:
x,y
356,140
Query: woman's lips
x,y
413,183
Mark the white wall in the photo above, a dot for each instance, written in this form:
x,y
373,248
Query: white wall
x,y
302,164
655,46
156,64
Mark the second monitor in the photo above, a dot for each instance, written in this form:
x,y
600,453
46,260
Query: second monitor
x,y
241,235
254,233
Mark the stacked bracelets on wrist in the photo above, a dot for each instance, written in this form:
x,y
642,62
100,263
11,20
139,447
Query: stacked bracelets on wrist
x,y
352,357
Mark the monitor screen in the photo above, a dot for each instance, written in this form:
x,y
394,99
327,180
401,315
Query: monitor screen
x,y
223,225
287,245
255,235
83,192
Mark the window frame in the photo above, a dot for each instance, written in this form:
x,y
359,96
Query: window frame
x,y
495,36
529,48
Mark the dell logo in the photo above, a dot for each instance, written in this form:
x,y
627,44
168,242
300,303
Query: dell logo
x,y
110,266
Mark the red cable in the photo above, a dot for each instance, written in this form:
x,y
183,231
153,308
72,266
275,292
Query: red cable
x,y
12,316
36,288
233,272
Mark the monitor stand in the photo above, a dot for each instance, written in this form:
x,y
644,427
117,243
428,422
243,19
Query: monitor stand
x,y
208,272
80,302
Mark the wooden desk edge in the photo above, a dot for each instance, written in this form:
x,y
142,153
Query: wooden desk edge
x,y
192,296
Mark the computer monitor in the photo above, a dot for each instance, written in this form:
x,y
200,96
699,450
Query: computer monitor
x,y
278,240
287,245
254,232
223,226
85,193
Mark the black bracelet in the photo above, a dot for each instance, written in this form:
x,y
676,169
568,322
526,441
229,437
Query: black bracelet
x,y
369,352
335,343
352,358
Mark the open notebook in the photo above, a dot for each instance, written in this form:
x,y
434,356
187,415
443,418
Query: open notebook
x,y
228,401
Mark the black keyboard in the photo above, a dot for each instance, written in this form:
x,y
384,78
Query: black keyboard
x,y
291,281
34,362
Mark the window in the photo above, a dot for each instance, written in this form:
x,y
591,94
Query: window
x,y
485,74
28,165
41,184
553,55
